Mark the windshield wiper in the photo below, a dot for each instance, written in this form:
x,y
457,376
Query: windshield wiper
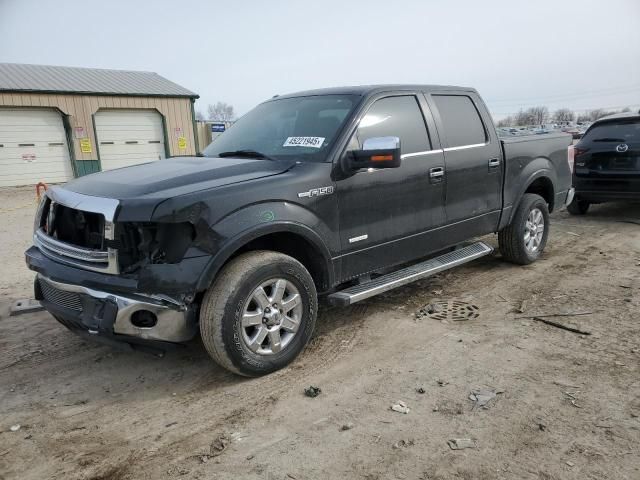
x,y
244,153
609,139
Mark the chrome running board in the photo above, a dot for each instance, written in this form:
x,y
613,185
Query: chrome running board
x,y
409,274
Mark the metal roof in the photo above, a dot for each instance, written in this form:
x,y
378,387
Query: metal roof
x,y
18,77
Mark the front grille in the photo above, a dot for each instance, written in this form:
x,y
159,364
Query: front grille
x,y
70,300
78,235
67,250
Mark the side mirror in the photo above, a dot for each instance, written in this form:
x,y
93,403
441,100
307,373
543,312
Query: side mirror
x,y
377,152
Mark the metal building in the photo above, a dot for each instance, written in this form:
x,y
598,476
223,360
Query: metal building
x,y
57,123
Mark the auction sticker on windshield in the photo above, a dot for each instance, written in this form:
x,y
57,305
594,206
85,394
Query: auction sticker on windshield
x,y
313,142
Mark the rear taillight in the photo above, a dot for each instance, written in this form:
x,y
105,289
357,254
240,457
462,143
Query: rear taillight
x,y
571,157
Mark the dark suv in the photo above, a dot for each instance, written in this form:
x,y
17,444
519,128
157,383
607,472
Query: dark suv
x,y
607,162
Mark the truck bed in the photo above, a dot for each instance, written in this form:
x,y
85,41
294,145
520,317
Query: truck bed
x,y
531,155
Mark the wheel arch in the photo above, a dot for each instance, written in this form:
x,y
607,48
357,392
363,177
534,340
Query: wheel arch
x,y
290,238
542,185
541,182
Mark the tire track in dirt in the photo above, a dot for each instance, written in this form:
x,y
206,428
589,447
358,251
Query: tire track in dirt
x,y
338,333
44,349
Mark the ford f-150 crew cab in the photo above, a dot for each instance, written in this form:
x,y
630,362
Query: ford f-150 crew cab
x,y
343,193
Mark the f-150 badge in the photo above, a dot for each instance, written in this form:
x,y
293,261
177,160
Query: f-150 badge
x,y
316,192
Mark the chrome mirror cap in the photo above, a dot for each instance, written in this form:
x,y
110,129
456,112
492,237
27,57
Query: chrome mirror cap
x,y
381,143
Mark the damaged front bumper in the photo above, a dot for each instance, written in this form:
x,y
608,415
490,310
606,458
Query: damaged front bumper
x,y
111,307
118,317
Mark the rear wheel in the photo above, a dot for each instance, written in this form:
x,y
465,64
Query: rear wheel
x,y
578,207
524,239
259,314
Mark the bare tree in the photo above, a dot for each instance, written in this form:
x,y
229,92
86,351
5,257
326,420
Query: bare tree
x,y
597,113
564,115
523,117
199,116
221,112
505,122
539,114
583,117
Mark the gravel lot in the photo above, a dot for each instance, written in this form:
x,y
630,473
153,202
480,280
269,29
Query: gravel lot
x,y
569,405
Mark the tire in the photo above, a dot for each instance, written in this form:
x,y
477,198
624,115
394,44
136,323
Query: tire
x,y
578,207
513,238
231,298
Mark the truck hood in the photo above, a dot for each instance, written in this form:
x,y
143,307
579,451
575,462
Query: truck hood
x,y
171,177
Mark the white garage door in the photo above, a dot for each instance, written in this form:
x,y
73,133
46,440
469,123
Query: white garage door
x,y
129,137
33,147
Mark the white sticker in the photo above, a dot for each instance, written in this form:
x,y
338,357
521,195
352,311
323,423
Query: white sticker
x,y
313,142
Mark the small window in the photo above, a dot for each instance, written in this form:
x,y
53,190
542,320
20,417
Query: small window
x,y
461,120
396,117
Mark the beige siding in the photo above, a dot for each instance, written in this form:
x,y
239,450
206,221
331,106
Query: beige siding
x,y
80,109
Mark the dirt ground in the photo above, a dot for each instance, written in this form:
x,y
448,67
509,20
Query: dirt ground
x,y
569,407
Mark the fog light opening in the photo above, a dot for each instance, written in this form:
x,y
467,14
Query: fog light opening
x,y
144,319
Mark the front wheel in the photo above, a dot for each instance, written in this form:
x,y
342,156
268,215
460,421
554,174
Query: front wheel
x,y
524,239
259,313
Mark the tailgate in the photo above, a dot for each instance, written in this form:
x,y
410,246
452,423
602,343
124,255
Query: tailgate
x,y
609,159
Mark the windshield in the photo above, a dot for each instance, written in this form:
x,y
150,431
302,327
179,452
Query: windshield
x,y
621,132
300,127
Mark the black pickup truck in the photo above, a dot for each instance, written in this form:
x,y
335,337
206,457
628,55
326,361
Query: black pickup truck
x,y
343,193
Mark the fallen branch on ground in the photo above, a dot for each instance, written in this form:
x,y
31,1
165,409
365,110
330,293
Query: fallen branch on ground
x,y
559,325
575,314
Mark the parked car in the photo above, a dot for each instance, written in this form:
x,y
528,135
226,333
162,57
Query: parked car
x,y
322,193
607,162
574,132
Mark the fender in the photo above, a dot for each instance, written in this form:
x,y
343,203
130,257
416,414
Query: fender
x,y
245,225
540,167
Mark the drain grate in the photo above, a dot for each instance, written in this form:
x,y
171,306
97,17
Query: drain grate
x,y
452,310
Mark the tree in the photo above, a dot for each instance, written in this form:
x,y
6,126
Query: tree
x,y
221,112
505,122
625,110
597,113
540,115
199,116
532,116
563,115
523,118
583,117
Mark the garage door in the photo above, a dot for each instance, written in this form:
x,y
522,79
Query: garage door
x,y
33,147
129,137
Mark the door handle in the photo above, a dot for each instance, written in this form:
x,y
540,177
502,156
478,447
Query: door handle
x,y
436,172
494,163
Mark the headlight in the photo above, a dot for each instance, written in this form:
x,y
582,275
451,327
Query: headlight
x,y
153,243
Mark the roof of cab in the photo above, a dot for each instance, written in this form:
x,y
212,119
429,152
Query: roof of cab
x,y
364,90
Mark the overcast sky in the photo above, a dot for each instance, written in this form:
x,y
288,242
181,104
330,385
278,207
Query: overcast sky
x,y
581,54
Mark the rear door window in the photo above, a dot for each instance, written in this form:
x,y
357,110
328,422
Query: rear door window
x,y
461,120
396,117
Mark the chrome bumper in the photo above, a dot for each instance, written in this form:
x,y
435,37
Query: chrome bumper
x,y
570,194
174,321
